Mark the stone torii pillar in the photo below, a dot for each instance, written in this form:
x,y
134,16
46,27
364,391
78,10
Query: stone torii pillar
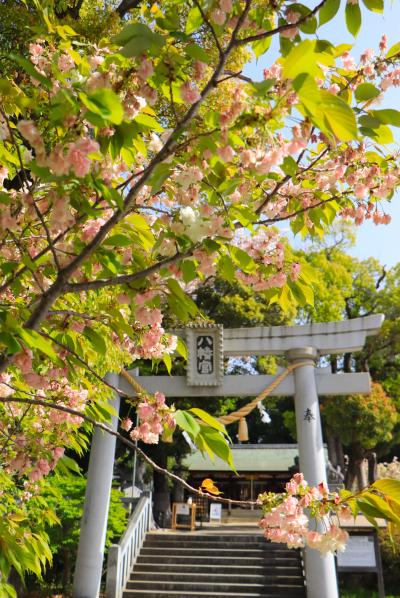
x,y
92,539
207,347
320,570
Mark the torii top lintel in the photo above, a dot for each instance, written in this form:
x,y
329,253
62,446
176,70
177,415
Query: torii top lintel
x,y
327,337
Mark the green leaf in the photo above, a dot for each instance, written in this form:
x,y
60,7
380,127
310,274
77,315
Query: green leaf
x,y
189,270
242,259
34,340
261,46
388,486
339,116
381,506
366,91
369,511
67,466
103,103
118,240
95,339
10,342
289,166
168,362
260,88
187,422
218,444
328,11
159,175
374,5
393,50
353,18
181,348
32,71
194,20
148,122
301,59
197,53
226,268
136,38
209,420
182,305
387,116
381,133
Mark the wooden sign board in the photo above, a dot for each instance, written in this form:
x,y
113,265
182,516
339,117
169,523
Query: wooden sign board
x,y
183,516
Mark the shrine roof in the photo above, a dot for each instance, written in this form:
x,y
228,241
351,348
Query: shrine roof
x,y
248,457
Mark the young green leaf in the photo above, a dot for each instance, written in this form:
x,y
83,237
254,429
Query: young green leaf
x,y
353,18
366,91
103,103
328,11
209,420
187,422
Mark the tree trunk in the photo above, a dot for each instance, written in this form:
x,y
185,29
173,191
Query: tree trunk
x,y
332,454
372,467
67,570
347,363
162,497
355,477
340,454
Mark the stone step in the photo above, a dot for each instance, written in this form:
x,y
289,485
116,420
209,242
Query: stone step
x,y
193,586
217,577
206,537
179,594
227,543
211,551
229,569
219,560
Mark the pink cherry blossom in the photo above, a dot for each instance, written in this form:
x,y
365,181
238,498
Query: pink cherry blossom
x,y
226,5
145,70
190,93
226,153
126,424
218,16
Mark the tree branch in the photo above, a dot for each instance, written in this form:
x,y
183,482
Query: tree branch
x,y
93,285
84,364
254,38
211,28
125,6
40,402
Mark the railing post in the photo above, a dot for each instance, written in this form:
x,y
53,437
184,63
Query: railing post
x,y
113,577
122,557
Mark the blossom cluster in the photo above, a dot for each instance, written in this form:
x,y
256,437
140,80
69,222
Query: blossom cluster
x,y
155,418
285,520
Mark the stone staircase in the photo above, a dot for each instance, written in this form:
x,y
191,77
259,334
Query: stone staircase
x,y
215,564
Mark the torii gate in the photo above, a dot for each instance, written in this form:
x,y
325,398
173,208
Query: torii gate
x,y
207,347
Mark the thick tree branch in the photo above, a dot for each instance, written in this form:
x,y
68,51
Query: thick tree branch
x,y
93,285
125,6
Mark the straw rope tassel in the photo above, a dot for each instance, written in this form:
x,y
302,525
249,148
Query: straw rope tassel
x,y
246,409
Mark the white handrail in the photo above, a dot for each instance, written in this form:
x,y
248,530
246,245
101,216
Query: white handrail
x,y
122,556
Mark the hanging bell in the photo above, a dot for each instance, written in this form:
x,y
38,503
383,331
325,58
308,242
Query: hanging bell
x,y
243,432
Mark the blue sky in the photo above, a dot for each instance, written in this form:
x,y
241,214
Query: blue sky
x,y
382,242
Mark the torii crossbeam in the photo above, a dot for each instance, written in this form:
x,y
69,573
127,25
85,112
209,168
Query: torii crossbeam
x,y
207,347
